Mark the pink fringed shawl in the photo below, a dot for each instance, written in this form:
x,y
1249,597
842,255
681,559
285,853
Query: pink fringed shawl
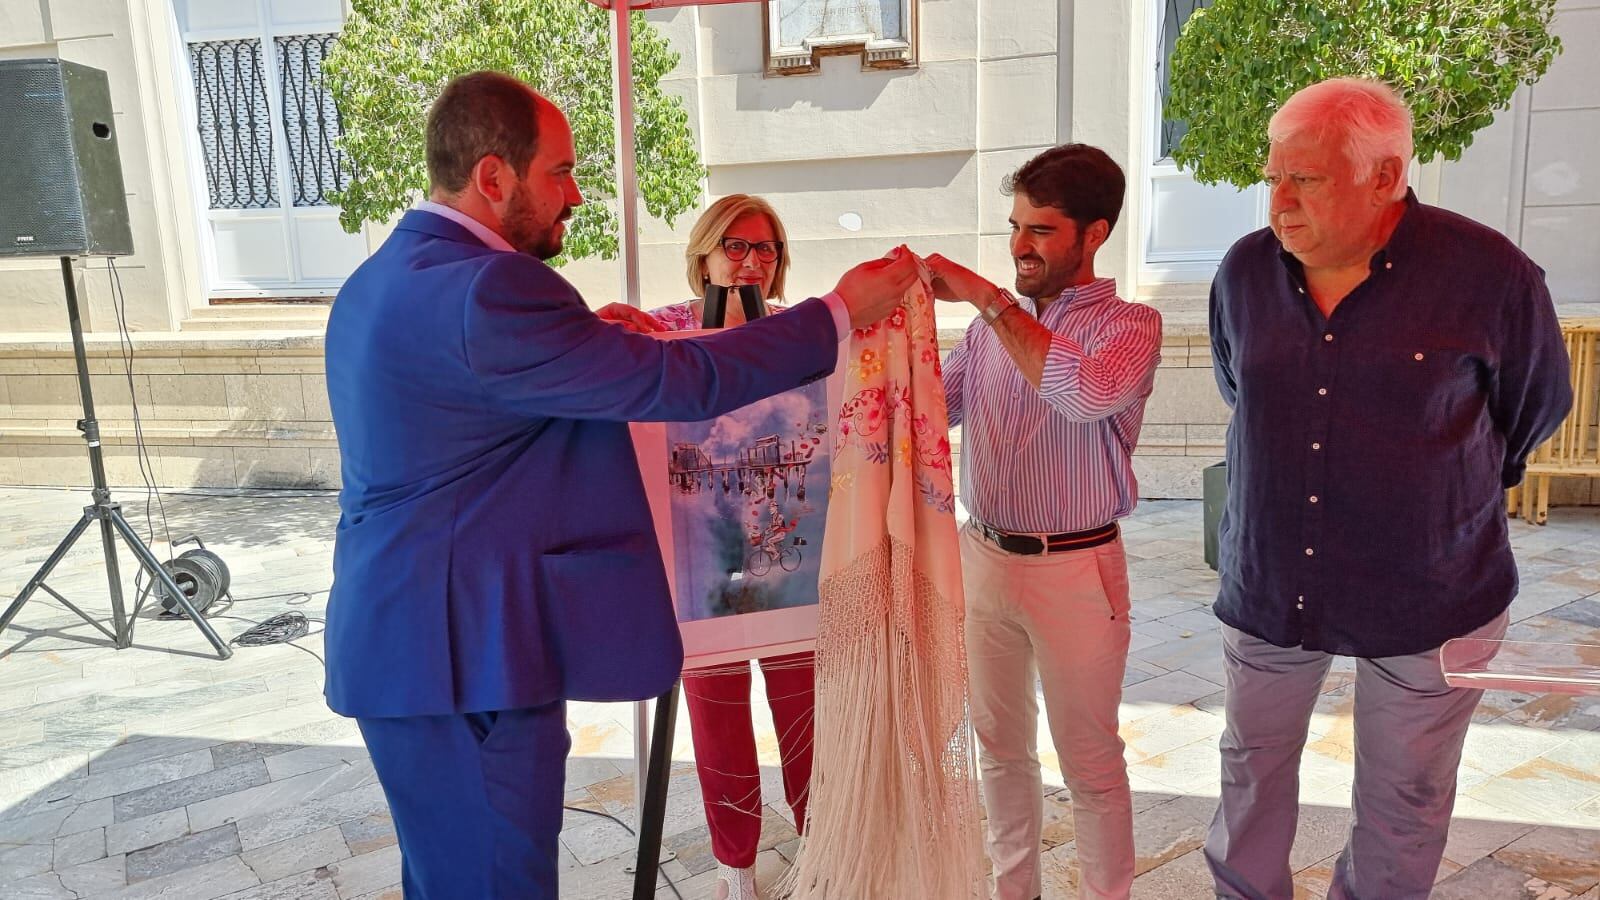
x,y
893,810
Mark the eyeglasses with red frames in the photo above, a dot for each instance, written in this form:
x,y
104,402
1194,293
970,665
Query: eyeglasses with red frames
x,y
736,249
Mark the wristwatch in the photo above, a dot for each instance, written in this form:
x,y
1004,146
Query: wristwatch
x,y
1003,301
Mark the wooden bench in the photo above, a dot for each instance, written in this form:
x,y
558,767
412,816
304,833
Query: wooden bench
x,y
1574,450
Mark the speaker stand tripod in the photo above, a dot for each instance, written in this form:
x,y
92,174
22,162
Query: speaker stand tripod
x,y
112,523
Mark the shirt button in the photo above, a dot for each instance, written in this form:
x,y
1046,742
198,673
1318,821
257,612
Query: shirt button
x,y
1313,498
1328,337
1316,446
1418,357
1300,602
1301,290
1322,392
1388,265
1310,552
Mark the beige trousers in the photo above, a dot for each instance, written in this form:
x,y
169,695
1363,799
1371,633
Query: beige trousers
x,y
1064,618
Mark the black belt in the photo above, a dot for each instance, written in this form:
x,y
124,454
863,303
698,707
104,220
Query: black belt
x,y
1034,545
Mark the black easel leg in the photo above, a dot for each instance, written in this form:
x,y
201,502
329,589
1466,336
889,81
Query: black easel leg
x,y
654,812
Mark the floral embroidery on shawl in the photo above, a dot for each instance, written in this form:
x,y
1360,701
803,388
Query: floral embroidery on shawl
x,y
893,810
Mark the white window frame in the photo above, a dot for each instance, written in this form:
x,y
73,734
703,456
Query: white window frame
x,y
1157,266
877,52
216,287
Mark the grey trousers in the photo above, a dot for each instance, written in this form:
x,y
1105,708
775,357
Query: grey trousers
x,y
1409,728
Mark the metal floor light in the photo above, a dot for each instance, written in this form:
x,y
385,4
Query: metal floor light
x,y
112,524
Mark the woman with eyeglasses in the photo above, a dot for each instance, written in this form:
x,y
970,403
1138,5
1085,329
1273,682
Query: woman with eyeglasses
x,y
740,240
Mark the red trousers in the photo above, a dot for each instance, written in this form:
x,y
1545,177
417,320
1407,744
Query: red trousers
x,y
725,747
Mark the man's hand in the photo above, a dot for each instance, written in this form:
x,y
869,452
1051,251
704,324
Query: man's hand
x,y
873,289
953,281
629,317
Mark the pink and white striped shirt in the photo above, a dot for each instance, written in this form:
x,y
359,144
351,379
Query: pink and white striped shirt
x,y
1058,458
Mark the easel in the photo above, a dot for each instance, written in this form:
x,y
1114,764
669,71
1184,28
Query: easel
x,y
658,750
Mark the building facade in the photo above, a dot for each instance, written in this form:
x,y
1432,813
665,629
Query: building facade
x,y
892,125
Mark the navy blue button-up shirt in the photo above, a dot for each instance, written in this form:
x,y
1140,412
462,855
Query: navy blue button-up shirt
x,y
1369,450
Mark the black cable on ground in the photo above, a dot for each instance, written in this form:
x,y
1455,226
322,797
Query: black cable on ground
x,y
280,629
606,815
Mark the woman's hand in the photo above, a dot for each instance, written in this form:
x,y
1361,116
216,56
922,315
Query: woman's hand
x,y
629,317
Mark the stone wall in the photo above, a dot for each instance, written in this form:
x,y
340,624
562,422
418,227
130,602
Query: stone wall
x,y
216,411
1185,420
221,409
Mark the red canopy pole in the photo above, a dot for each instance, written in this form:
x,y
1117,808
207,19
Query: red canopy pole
x,y
628,241
628,253
627,176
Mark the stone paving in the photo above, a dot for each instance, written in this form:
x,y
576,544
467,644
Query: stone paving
x,y
160,772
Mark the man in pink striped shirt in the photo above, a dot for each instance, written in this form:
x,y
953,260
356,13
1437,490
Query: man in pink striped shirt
x,y
1050,389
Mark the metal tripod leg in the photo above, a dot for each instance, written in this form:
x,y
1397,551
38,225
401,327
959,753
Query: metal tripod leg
x,y
153,566
120,634
49,566
108,540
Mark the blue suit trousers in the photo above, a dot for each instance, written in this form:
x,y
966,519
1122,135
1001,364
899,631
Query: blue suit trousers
x,y
476,800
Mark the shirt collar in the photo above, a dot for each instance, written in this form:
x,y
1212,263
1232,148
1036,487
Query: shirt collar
x,y
1405,235
1400,243
479,230
1079,295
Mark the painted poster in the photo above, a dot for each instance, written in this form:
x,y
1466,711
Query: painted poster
x,y
748,494
739,504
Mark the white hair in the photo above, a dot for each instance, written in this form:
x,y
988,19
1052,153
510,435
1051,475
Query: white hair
x,y
1366,118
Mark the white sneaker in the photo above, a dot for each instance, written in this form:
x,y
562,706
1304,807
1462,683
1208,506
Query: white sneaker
x,y
736,884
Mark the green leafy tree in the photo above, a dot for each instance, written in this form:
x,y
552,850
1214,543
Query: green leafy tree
x,y
1455,61
395,56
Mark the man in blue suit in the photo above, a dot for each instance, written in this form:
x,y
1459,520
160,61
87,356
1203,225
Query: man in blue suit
x,y
496,555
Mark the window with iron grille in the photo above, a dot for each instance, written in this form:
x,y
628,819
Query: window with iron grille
x,y
235,123
1175,13
310,120
238,124
262,148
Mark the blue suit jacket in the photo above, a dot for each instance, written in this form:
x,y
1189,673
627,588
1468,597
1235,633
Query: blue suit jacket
x,y
495,548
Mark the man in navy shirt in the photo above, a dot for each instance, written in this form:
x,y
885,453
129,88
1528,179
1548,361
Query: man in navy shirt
x,y
1390,365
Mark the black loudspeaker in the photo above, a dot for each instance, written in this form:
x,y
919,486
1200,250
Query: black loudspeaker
x,y
61,188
